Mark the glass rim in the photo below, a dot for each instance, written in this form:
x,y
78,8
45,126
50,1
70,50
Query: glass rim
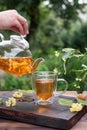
x,y
42,73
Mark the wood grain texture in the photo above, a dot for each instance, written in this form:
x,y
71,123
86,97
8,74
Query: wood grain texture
x,y
53,116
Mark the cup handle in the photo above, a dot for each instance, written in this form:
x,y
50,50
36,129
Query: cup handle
x,y
66,86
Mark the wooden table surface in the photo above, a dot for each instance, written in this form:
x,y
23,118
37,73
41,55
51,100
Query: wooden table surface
x,y
14,125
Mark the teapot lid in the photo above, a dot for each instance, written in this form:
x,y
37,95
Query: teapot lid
x,y
17,46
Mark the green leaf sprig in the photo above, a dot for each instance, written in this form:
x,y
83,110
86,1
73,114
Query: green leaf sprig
x,y
83,102
1,101
69,102
66,102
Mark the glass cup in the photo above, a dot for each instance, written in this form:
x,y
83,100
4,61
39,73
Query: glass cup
x,y
45,86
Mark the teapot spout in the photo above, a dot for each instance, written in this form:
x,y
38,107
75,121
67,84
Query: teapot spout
x,y
37,61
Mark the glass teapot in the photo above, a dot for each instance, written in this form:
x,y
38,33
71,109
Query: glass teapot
x,y
15,56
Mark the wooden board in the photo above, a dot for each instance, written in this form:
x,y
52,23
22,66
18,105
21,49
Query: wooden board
x,y
55,115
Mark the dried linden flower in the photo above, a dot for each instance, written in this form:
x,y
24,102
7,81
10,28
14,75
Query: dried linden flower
x,y
75,107
17,95
10,102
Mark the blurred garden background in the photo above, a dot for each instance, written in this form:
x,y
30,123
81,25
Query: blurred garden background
x,y
58,33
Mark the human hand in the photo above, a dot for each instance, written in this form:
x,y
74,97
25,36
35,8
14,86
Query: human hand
x,y
12,20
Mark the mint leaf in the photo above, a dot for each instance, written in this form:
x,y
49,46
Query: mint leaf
x,y
65,102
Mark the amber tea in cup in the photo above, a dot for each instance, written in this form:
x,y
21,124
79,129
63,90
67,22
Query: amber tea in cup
x,y
45,86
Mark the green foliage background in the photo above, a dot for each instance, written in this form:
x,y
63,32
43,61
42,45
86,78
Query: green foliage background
x,y
53,25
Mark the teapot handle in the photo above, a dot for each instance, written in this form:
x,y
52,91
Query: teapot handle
x,y
2,37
